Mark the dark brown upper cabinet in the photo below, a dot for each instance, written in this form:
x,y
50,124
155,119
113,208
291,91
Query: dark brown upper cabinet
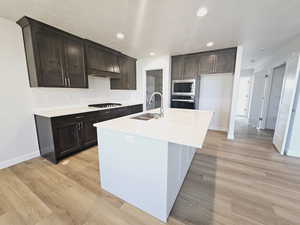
x,y
219,61
191,66
128,74
54,58
102,61
207,63
225,61
177,67
74,62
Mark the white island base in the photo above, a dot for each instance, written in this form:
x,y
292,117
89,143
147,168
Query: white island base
x,y
145,162
145,172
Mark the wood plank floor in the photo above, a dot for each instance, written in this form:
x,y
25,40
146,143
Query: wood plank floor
x,y
241,182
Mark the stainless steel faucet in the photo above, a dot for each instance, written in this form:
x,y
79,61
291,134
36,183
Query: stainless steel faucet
x,y
161,114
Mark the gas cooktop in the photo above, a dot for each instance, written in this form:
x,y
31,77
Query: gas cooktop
x,y
105,105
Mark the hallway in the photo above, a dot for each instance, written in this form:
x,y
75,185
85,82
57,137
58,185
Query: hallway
x,y
244,130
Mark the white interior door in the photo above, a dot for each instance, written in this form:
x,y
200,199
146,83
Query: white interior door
x,y
286,103
257,99
275,94
215,95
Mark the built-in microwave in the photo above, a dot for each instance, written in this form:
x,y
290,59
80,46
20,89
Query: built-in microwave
x,y
183,87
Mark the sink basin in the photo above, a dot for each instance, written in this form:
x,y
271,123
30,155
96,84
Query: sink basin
x,y
146,116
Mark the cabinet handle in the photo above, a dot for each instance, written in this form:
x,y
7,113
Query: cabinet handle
x,y
65,81
215,64
69,81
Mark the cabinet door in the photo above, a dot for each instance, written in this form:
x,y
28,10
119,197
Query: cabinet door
x,y
207,63
90,132
49,46
74,63
127,80
225,62
67,138
191,65
109,62
116,63
121,83
95,58
131,73
177,67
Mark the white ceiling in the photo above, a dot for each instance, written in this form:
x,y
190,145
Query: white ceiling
x,y
169,26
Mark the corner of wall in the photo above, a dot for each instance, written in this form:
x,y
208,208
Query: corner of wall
x,y
235,92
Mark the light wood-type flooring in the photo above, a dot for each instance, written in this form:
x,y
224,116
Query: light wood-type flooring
x,y
240,182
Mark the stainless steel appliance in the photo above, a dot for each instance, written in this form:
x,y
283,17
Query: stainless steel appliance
x,y
183,101
185,93
184,87
105,105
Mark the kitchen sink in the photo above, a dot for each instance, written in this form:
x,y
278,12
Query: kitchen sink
x,y
146,116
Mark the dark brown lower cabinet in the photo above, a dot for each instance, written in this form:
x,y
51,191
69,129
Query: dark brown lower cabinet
x,y
66,138
62,136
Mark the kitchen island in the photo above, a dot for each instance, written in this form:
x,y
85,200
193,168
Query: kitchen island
x,y
144,162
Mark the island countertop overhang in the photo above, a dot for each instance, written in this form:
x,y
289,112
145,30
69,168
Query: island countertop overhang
x,y
179,126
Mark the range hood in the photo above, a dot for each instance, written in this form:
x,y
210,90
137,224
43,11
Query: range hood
x,y
102,61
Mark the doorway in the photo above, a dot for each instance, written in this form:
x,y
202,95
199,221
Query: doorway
x,y
154,83
244,96
252,98
265,102
275,94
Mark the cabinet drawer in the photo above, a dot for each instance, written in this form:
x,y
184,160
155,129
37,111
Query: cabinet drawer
x,y
57,121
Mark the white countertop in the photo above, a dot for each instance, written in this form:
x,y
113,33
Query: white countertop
x,y
180,126
74,110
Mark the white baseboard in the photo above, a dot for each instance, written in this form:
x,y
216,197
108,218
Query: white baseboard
x,y
223,129
230,136
293,152
19,159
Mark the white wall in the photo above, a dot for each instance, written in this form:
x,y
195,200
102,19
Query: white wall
x,y
280,55
155,63
235,92
245,88
98,91
18,140
293,146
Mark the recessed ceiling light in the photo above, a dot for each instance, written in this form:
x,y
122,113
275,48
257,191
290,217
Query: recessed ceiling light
x,y
152,53
120,36
202,12
210,44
